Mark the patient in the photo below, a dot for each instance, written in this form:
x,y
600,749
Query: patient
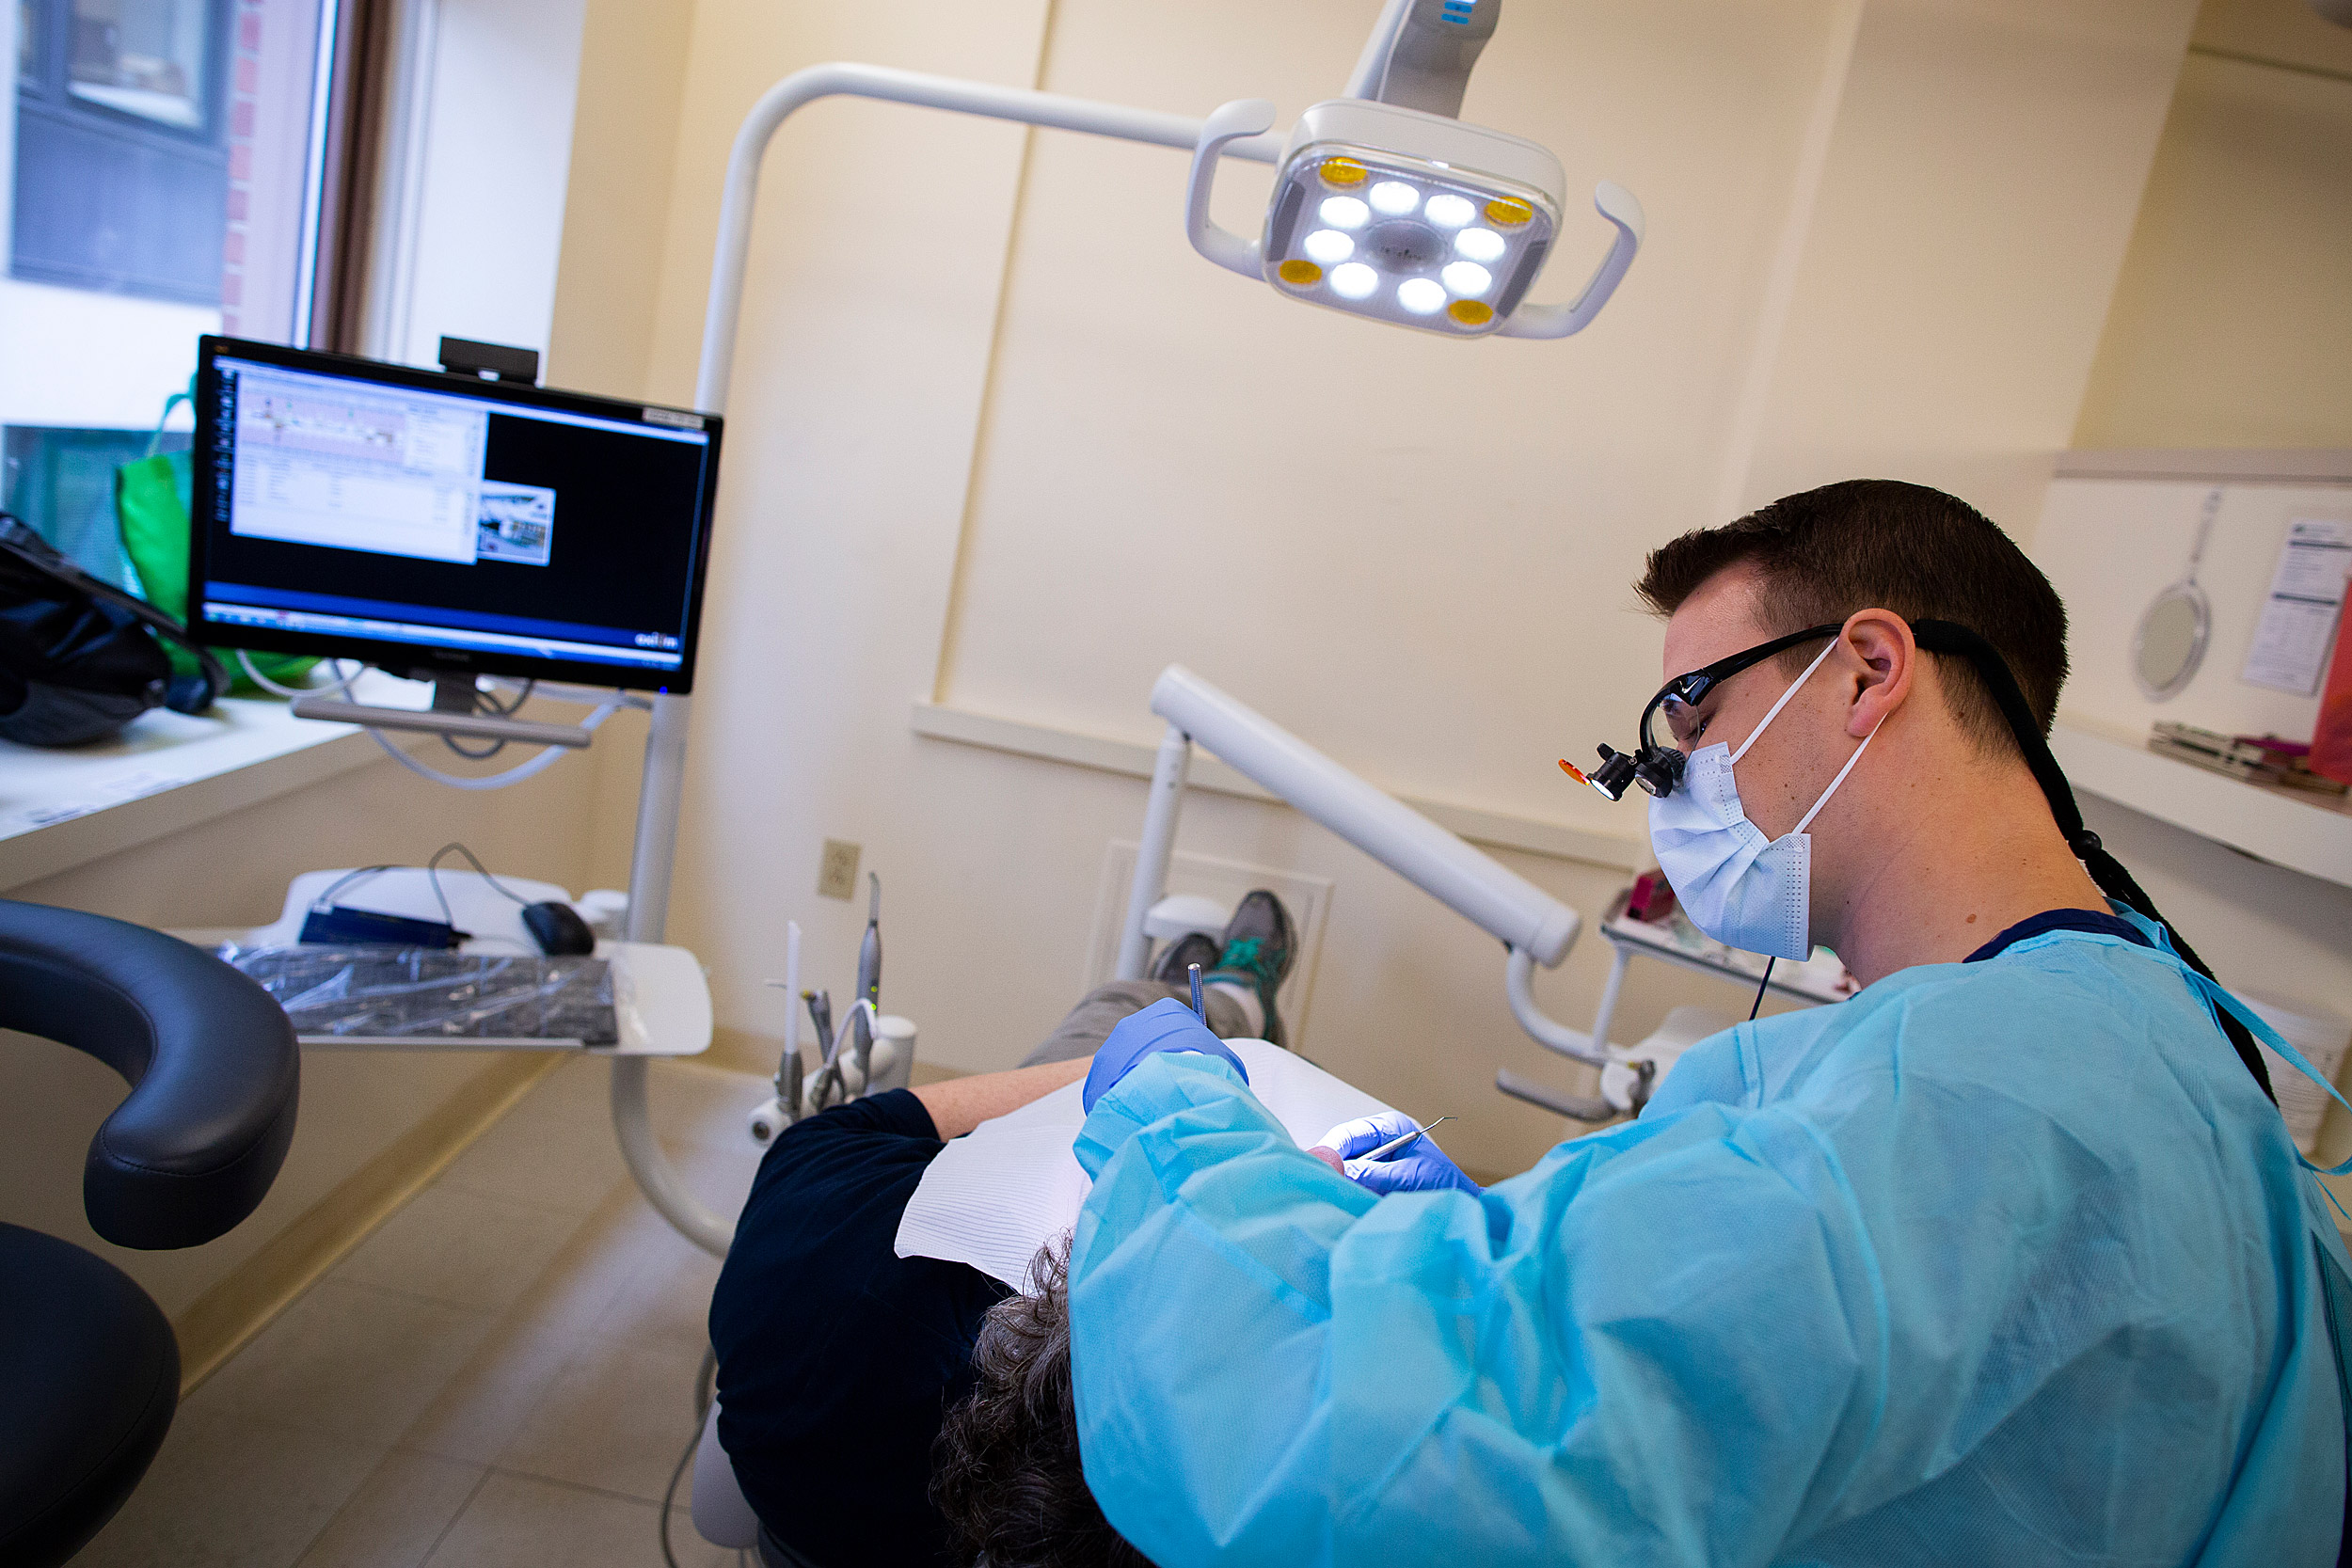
x,y
837,1358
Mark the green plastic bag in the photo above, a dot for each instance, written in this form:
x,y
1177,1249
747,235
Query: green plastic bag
x,y
152,501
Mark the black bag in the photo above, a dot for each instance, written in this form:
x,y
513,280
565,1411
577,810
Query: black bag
x,y
79,659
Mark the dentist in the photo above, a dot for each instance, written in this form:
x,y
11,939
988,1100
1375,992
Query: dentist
x,y
2009,1258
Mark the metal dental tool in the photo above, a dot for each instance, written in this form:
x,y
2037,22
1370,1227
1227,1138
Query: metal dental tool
x,y
1390,1147
869,983
828,1071
1197,1004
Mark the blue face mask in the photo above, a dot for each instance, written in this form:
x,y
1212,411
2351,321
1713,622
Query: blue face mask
x,y
1737,886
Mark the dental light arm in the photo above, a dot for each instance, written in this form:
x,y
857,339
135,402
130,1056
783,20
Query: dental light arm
x,y
1536,927
1420,52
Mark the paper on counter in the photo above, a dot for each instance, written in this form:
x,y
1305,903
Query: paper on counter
x,y
2306,596
995,1196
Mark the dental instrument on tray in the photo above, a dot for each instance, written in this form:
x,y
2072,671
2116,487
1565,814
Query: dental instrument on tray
x,y
789,1070
868,982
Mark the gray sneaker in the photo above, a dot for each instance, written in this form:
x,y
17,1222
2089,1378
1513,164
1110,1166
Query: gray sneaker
x,y
1260,947
1175,965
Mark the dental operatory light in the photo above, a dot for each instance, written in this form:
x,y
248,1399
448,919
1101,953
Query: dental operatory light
x,y
1386,205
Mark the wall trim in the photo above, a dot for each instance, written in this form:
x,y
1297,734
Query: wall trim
x,y
2249,465
1493,829
217,1323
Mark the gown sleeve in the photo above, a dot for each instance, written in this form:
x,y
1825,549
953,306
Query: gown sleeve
x,y
1666,1343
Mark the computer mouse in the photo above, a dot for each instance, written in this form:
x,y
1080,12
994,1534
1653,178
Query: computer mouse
x,y
557,929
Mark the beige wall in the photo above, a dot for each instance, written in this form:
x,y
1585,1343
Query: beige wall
x,y
997,437
2231,324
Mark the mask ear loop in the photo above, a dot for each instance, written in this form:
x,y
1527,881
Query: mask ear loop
x,y
1758,1006
1806,820
1773,712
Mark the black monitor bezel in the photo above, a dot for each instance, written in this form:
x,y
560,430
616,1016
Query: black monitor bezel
x,y
423,661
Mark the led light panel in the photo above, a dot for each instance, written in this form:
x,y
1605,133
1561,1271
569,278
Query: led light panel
x,y
1410,240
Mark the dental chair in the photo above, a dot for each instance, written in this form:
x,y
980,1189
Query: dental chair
x,y
89,1372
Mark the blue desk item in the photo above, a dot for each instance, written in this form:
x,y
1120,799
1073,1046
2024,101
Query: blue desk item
x,y
2007,1262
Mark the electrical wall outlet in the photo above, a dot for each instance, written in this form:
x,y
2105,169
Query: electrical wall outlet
x,y
836,872
1306,897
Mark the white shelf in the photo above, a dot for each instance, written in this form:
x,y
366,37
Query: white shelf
x,y
167,772
2304,833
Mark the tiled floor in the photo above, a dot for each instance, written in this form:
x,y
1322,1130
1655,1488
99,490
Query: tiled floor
x,y
502,1374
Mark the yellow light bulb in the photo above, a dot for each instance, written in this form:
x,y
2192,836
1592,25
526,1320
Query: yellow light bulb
x,y
1343,171
1299,273
1474,312
1506,213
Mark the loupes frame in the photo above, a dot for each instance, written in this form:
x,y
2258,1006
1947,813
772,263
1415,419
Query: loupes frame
x,y
1658,768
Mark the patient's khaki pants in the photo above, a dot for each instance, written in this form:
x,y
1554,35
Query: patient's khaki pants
x,y
1090,1022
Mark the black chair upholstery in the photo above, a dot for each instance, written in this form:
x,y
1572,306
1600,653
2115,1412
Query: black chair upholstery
x,y
89,1376
89,1373
209,1057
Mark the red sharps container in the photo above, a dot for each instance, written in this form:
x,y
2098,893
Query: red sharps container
x,y
2332,737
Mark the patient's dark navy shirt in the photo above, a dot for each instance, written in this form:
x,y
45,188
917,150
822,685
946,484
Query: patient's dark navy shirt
x,y
836,1356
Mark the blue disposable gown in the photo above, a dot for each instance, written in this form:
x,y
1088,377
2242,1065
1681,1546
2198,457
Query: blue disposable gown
x,y
2005,1262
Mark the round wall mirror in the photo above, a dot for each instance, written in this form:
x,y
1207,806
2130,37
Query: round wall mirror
x,y
2171,642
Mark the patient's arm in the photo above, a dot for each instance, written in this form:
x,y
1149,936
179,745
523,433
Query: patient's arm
x,y
959,1104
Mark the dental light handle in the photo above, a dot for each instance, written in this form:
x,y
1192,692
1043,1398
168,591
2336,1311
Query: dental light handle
x,y
1476,886
1617,204
1243,117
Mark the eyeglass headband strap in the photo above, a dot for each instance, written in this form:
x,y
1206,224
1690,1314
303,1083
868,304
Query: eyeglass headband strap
x,y
1947,636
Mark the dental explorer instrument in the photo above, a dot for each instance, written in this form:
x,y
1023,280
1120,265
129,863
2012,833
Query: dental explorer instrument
x,y
1394,1144
1199,1006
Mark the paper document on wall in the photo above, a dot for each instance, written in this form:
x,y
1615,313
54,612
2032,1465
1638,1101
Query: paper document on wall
x,y
995,1196
2306,597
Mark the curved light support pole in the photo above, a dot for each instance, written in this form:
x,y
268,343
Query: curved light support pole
x,y
659,798
1617,204
1474,885
1153,850
1243,117
1549,1032
1022,105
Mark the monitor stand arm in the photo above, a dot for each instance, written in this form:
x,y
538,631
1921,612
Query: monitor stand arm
x,y
457,710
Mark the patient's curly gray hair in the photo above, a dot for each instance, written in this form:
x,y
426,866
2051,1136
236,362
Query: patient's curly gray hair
x,y
1004,1473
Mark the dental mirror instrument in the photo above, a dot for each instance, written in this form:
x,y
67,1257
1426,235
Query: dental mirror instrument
x,y
1199,1006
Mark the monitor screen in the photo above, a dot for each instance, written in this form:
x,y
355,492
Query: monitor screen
x,y
437,524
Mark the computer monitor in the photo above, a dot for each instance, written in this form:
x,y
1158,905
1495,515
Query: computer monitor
x,y
440,524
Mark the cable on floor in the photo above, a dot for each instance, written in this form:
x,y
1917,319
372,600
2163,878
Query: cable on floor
x,y
704,1380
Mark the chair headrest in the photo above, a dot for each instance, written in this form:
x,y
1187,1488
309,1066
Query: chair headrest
x,y
213,1068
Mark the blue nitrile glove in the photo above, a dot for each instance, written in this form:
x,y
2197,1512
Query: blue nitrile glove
x,y
1420,1166
1167,1024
